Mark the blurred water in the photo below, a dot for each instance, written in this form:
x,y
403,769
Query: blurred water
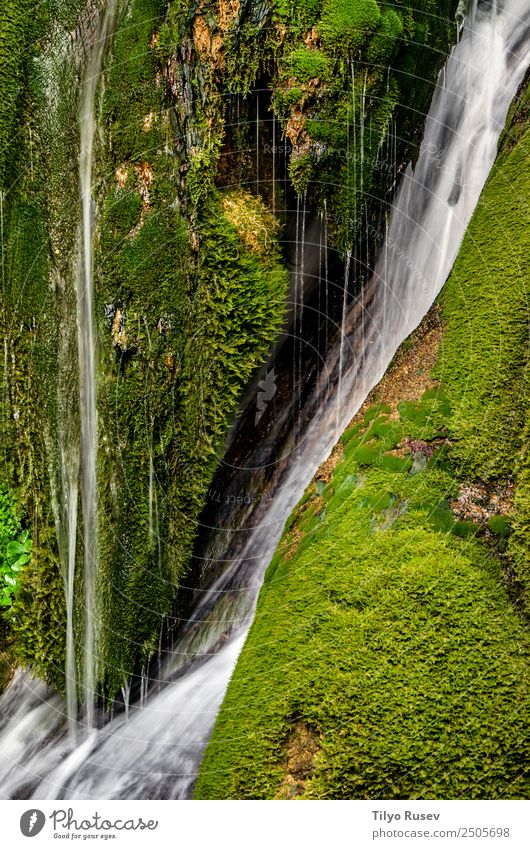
x,y
156,752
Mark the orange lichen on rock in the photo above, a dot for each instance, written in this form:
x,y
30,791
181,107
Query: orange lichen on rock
x,y
311,38
209,40
295,126
302,749
228,13
121,176
119,337
209,44
145,177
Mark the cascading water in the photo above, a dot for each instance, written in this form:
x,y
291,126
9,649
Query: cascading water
x,y
156,752
87,348
342,348
71,447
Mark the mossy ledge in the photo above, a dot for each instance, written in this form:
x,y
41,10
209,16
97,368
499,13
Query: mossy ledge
x,y
389,656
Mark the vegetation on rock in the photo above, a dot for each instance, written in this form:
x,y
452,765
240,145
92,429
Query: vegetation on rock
x,y
186,309
189,282
386,635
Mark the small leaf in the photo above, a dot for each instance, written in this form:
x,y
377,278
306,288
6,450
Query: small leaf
x,y
14,548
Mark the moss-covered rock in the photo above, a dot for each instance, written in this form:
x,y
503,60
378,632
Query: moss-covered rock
x,y
484,360
337,73
345,25
384,625
18,26
390,635
189,282
188,300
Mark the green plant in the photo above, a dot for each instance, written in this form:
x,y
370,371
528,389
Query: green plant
x,y
346,24
500,526
386,38
484,365
308,65
15,548
18,554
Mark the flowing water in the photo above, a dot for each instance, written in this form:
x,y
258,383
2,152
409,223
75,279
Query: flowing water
x,y
72,448
87,347
155,750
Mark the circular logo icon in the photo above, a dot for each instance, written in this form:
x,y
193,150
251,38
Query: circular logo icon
x,y
32,822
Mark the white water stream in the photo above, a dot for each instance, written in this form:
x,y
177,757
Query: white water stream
x,y
156,752
87,349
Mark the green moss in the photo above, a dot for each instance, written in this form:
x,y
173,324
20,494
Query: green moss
x,y
464,529
308,65
286,47
385,41
483,364
38,615
170,397
382,63
289,97
380,643
375,410
29,332
350,433
373,641
18,25
300,171
516,122
500,526
179,338
387,628
346,24
519,548
191,339
301,15
130,91
193,305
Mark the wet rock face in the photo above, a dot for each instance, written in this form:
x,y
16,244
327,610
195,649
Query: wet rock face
x,y
333,73
184,269
173,279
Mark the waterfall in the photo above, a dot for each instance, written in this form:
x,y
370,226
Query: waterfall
x,y
342,345
157,753
73,474
87,348
71,447
301,295
326,268
69,479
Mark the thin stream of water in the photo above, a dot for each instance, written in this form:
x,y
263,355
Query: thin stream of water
x,y
87,349
156,752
